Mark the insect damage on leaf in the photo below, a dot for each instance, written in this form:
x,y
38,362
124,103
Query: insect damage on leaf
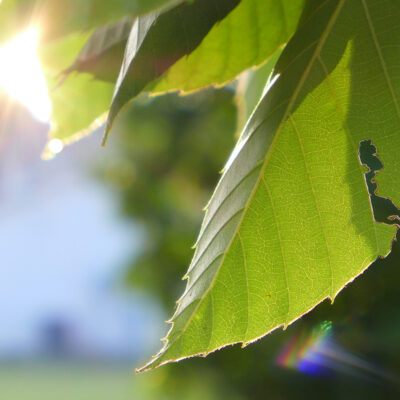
x,y
384,210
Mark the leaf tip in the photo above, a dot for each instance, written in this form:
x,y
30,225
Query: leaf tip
x,y
106,134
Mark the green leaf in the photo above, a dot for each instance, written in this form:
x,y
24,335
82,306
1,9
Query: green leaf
x,y
103,53
234,45
248,36
291,222
78,100
56,18
158,41
251,87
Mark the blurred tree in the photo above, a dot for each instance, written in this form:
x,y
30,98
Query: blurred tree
x,y
165,172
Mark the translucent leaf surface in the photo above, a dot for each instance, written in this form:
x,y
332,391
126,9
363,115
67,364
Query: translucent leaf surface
x,y
248,36
291,222
77,100
80,100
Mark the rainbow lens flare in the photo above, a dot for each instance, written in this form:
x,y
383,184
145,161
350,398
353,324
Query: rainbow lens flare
x,y
318,353
304,351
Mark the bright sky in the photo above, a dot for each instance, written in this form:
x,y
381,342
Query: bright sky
x,y
63,249
21,74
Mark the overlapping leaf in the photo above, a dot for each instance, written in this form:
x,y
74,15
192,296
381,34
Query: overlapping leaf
x,y
233,45
290,222
102,54
82,93
78,100
250,88
158,41
248,36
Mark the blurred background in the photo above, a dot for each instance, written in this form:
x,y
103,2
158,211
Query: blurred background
x,y
93,245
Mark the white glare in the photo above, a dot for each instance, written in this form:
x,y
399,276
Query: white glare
x,y
55,146
21,74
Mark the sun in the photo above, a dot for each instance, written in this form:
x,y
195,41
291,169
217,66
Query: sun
x,y
21,74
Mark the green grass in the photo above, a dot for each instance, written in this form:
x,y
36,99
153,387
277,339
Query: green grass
x,y
89,382
71,383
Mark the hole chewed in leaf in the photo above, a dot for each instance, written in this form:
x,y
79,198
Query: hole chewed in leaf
x,y
384,210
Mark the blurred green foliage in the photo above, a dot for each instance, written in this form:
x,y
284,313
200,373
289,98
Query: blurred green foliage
x,y
91,382
168,152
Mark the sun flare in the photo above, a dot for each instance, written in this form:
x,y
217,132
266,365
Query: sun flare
x,y
21,74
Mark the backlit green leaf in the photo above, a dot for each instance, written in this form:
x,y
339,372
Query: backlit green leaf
x,y
248,36
80,100
291,222
77,100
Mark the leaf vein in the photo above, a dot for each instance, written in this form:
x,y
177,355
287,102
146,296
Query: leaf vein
x,y
380,56
280,247
314,197
247,284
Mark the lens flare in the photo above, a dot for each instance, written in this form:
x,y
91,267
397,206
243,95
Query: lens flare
x,y
55,146
21,74
318,353
303,351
